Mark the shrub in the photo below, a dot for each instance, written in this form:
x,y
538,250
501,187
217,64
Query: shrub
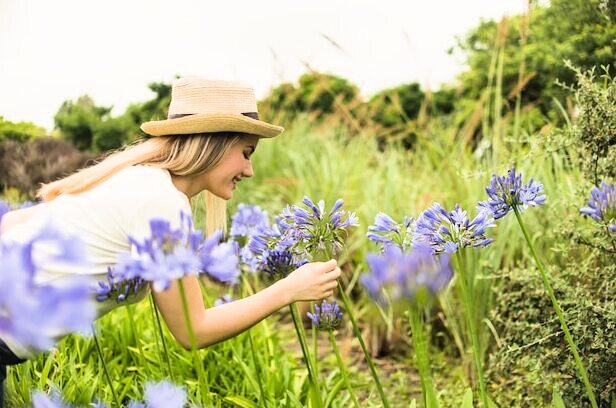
x,y
25,166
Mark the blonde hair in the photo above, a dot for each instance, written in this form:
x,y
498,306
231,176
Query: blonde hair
x,y
181,155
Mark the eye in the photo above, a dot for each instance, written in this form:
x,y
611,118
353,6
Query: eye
x,y
247,155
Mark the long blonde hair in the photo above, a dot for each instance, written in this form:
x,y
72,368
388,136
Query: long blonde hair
x,y
181,155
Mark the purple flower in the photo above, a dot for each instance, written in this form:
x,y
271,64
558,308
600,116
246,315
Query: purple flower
x,y
406,274
313,230
446,232
35,314
602,205
247,220
326,317
164,395
4,208
386,231
170,254
280,263
508,192
225,299
42,400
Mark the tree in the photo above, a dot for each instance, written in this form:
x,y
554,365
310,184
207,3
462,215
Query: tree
x,y
19,131
77,121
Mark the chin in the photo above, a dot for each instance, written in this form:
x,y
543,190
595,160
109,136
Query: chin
x,y
225,195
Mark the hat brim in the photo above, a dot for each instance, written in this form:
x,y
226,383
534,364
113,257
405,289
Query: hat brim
x,y
209,123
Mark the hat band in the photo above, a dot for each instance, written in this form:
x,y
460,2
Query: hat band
x,y
252,115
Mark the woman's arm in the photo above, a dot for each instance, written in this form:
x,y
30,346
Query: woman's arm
x,y
312,281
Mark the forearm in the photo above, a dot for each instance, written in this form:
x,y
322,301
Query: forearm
x,y
227,320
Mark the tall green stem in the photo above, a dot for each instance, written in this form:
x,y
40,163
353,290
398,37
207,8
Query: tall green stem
x,y
156,318
465,284
347,307
301,335
131,319
193,344
107,376
416,321
325,256
257,367
559,312
343,371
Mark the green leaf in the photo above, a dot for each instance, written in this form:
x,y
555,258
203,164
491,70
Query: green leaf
x,y
557,400
467,400
413,404
241,402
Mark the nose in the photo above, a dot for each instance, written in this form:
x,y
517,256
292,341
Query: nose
x,y
248,172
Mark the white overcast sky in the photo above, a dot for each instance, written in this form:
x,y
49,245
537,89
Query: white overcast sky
x,y
54,50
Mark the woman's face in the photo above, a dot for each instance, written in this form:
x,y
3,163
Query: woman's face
x,y
234,166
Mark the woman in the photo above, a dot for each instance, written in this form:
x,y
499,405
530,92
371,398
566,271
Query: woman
x,y
205,145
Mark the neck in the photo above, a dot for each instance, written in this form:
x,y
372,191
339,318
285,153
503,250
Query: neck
x,y
186,185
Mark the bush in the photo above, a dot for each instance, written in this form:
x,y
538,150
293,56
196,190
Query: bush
x,y
25,166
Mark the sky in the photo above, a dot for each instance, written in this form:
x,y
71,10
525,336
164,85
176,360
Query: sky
x,y
52,51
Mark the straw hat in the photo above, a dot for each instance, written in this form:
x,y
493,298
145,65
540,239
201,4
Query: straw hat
x,y
201,106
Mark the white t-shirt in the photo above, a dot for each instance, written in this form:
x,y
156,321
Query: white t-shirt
x,y
103,218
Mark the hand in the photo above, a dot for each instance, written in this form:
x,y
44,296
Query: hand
x,y
313,281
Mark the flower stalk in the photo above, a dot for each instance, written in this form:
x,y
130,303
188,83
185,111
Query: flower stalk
x,y
559,312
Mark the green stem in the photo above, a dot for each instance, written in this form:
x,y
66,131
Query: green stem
x,y
559,312
107,376
342,367
416,321
301,335
193,343
375,377
326,255
257,367
466,285
131,319
156,317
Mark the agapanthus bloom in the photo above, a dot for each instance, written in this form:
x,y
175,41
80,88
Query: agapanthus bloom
x,y
280,263
222,300
446,232
386,231
118,288
326,317
247,220
406,274
162,395
317,231
4,208
170,254
508,192
602,205
42,400
36,314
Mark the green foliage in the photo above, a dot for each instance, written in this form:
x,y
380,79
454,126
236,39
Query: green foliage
x,y
78,121
24,166
574,30
19,131
595,129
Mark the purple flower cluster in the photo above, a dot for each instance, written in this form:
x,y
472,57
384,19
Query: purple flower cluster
x,y
162,395
315,230
405,275
326,317
386,231
34,314
4,208
170,254
118,288
247,221
157,395
224,299
446,232
602,205
508,192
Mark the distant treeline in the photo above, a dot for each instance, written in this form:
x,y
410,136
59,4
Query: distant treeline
x,y
513,69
